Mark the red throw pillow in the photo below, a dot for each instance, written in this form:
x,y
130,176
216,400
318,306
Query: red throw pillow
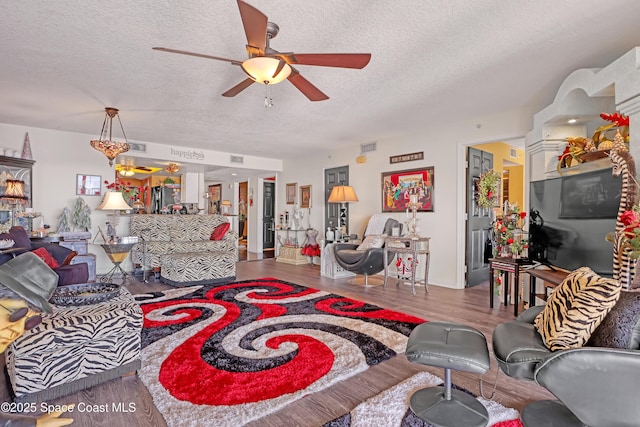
x,y
46,257
220,231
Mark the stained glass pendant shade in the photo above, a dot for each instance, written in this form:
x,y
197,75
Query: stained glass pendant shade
x,y
105,143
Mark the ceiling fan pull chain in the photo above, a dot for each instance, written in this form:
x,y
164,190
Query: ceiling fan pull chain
x,y
268,101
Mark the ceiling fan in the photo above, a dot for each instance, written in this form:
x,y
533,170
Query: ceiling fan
x,y
268,66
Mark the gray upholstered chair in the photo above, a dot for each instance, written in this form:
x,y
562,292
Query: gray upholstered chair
x,y
595,386
367,262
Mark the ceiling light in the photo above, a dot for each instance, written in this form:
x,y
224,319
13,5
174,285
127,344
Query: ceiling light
x,y
572,121
126,171
172,168
264,69
108,146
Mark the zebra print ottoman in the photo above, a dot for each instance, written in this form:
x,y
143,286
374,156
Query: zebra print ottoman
x,y
74,348
194,268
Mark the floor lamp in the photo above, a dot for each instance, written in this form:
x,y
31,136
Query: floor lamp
x,y
342,194
14,194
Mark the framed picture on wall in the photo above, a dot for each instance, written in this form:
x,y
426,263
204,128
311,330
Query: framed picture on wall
x,y
398,186
291,193
305,196
88,185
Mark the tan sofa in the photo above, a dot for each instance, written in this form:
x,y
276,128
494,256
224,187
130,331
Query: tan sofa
x,y
170,234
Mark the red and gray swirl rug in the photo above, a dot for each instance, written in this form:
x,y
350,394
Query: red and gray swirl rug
x,y
228,354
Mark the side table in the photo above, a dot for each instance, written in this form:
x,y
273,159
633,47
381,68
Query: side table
x,y
551,277
510,266
407,245
117,252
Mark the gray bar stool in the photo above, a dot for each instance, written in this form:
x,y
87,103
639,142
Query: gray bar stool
x,y
449,346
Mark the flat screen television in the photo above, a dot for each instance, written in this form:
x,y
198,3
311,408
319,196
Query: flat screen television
x,y
570,218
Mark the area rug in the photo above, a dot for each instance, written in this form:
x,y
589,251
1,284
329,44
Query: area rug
x,y
391,408
227,354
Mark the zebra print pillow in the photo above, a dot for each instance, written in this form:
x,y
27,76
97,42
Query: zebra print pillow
x,y
575,309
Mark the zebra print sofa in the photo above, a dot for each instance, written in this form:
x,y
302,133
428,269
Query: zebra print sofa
x,y
74,348
170,234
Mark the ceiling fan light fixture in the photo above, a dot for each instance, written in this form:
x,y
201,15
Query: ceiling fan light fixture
x,y
126,171
262,70
105,143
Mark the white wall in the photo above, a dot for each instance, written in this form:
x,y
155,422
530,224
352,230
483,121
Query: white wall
x,y
444,148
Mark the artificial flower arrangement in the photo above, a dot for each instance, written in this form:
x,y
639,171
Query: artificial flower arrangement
x,y
509,238
631,238
488,189
128,191
578,147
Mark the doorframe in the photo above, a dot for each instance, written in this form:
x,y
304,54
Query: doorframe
x,y
461,234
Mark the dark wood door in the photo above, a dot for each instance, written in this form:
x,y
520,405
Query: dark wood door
x,y
478,219
333,177
268,215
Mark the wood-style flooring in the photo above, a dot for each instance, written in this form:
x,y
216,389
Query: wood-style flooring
x,y
468,306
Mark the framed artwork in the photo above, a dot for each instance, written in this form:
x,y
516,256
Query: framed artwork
x,y
291,193
305,196
398,186
88,185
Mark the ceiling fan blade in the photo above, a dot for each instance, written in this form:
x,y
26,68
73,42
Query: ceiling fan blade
x,y
305,86
255,25
342,60
238,88
200,55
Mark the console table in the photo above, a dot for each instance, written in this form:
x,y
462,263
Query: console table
x,y
407,245
510,266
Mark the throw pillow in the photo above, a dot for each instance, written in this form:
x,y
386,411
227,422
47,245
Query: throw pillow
x,y
576,308
219,232
372,241
621,327
46,257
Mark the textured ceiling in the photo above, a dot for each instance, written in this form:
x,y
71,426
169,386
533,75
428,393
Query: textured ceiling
x,y
63,61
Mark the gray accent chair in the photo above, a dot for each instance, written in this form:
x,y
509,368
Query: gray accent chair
x,y
595,386
365,262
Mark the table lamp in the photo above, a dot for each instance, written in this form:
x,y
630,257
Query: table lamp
x,y
225,207
114,202
14,194
342,194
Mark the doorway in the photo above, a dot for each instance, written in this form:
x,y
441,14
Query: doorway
x,y
508,159
333,177
268,217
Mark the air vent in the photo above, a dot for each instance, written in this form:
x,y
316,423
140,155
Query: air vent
x,y
136,146
237,159
367,148
513,153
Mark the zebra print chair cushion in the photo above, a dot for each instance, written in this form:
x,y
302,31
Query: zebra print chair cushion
x,y
576,308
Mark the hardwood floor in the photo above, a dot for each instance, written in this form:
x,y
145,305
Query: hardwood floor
x,y
469,306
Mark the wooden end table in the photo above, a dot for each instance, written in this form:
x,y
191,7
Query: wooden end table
x,y
510,266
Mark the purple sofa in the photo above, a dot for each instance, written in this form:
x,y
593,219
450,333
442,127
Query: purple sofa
x,y
68,274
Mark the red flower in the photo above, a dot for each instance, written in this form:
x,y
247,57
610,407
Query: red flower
x,y
510,240
489,194
498,280
523,215
629,218
503,229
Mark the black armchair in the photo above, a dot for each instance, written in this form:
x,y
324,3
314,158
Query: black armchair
x,y
595,386
367,261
